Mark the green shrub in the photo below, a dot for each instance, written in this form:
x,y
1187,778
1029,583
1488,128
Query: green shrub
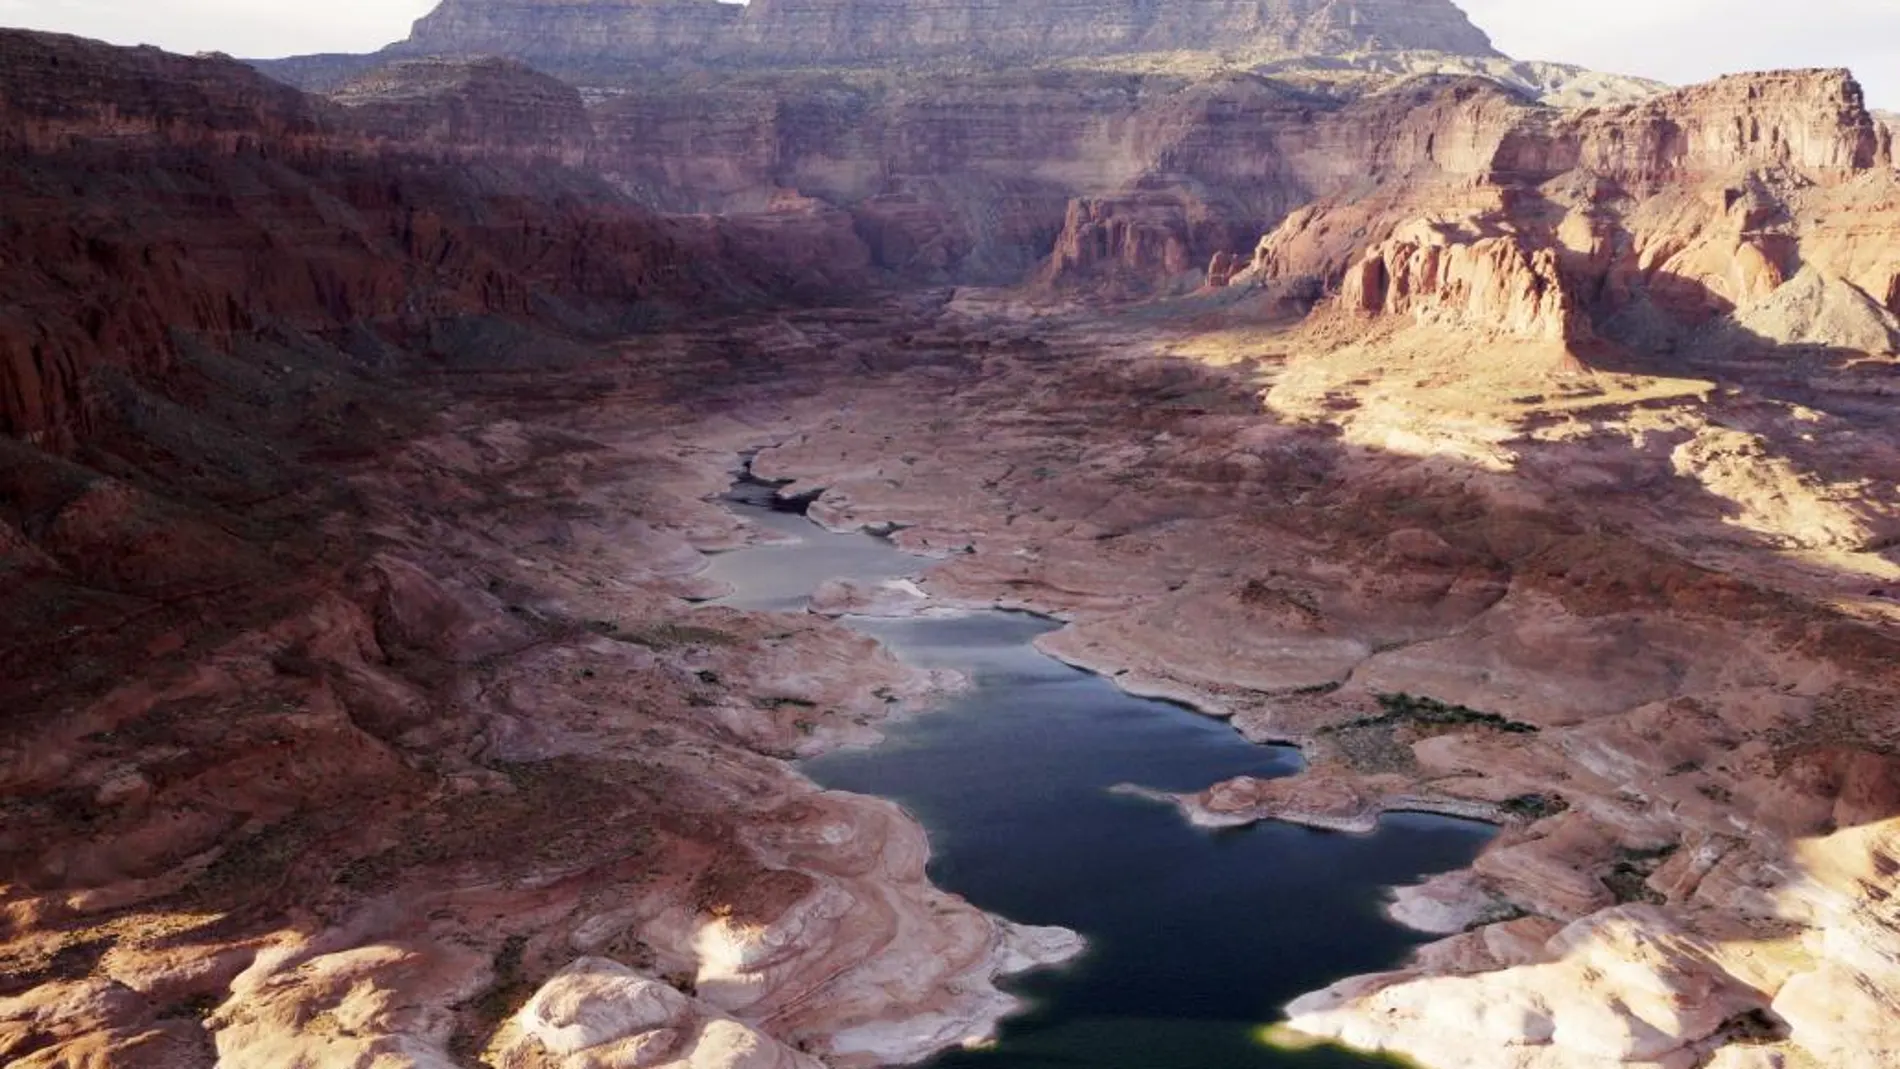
x,y
1403,709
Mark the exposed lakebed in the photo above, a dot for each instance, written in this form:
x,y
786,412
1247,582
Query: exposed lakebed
x,y
1196,939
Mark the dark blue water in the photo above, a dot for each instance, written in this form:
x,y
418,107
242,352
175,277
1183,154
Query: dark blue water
x,y
1196,939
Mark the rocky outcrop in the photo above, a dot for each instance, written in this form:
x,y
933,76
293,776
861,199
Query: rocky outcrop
x,y
1095,175
950,175
57,88
1890,120
1641,224
597,1010
1223,268
1134,245
1486,283
1815,122
479,107
1560,85
967,177
970,176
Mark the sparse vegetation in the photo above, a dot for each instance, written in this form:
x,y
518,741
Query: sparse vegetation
x,y
249,870
783,703
1756,1027
1275,593
1404,709
1372,751
1383,744
684,982
1498,912
510,991
665,636
194,1008
1628,878
1534,807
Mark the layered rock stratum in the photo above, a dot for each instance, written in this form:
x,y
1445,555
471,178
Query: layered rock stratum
x,y
239,205
602,39
1692,219
964,138
1518,462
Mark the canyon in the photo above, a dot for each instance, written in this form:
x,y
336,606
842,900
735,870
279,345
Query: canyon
x,y
1514,441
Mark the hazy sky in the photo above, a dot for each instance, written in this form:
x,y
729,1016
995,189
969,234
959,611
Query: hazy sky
x,y
1693,40
1674,40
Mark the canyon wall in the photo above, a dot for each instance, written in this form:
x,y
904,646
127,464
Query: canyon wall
x,y
153,197
593,37
964,139
1096,182
966,177
483,107
878,31
284,489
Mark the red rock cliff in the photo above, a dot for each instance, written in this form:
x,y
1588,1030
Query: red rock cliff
x,y
1636,222
152,196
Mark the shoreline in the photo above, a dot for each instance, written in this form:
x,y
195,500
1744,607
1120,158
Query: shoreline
x,y
1179,697
1016,948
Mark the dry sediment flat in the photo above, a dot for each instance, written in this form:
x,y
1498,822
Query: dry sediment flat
x,y
510,796
1683,723
504,779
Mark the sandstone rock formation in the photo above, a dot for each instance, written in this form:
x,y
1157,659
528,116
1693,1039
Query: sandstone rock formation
x,y
1129,244
954,174
878,31
1484,283
602,39
352,215
1673,221
959,175
1561,85
484,107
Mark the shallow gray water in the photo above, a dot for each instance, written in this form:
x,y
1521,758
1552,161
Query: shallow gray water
x,y
1196,939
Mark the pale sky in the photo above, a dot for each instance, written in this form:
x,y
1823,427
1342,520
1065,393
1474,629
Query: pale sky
x,y
1673,40
1684,41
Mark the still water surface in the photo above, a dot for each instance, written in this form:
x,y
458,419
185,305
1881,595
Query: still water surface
x,y
1196,939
